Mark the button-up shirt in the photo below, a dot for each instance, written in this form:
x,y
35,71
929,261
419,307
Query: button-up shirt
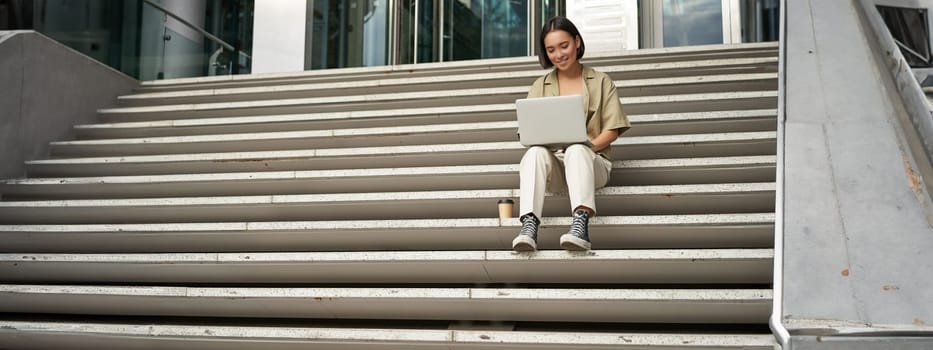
x,y
601,104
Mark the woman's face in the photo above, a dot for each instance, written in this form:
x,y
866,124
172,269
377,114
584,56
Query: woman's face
x,y
561,49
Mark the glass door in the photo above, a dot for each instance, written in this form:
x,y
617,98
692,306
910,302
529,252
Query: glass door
x,y
692,22
347,33
475,29
355,33
451,30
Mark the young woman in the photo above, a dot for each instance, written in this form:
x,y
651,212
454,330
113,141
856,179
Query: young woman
x,y
578,169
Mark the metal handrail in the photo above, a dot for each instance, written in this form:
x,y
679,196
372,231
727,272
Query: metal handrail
x,y
776,321
196,28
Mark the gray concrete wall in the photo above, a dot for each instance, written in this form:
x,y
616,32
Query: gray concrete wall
x,y
858,246
46,89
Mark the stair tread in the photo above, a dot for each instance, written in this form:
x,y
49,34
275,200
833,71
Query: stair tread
x,y
388,131
681,266
680,305
188,336
766,160
741,230
380,196
711,77
273,226
450,95
390,150
377,257
371,119
433,111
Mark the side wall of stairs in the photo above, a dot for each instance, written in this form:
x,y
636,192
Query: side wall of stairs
x,y
46,89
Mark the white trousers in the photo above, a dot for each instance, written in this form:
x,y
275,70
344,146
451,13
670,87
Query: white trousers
x,y
577,170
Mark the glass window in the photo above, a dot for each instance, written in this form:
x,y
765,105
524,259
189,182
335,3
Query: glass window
x,y
347,33
141,40
760,20
485,29
692,22
909,28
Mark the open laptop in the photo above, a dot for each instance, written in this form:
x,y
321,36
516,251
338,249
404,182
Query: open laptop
x,y
551,121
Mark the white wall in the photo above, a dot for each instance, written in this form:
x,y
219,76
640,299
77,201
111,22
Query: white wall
x,y
279,36
606,25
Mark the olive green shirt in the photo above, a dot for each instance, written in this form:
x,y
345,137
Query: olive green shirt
x,y
601,104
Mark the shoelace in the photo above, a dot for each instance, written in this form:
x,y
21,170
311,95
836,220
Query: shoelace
x,y
579,225
530,227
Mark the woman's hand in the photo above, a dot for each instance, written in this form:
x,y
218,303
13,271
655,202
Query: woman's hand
x,y
604,139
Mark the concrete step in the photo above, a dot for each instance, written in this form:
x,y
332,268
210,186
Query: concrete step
x,y
475,132
750,230
646,124
617,200
695,102
638,147
496,304
635,80
490,176
701,266
686,53
199,336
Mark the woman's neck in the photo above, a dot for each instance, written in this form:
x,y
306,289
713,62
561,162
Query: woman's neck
x,y
573,72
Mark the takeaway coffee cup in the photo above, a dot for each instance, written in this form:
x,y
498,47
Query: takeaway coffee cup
x,y
505,208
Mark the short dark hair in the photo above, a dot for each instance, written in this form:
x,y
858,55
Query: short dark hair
x,y
557,23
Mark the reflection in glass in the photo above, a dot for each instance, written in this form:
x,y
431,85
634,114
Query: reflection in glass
x,y
348,33
142,41
692,22
760,20
485,29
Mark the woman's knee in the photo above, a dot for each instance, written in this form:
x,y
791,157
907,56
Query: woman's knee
x,y
536,153
576,150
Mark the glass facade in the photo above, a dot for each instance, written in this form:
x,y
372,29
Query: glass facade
x,y
160,39
485,29
425,30
692,22
347,33
139,38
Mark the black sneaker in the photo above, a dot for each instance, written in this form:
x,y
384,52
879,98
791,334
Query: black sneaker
x,y
527,239
577,238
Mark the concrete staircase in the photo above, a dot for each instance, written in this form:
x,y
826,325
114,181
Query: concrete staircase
x,y
356,209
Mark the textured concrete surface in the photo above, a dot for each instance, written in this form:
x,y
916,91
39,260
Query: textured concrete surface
x,y
651,231
618,200
639,147
490,176
708,71
686,305
681,266
413,99
647,123
47,89
48,335
857,239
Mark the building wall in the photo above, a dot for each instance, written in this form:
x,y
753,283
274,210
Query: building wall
x,y
47,89
279,36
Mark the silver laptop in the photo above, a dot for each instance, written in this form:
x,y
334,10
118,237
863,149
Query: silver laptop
x,y
551,121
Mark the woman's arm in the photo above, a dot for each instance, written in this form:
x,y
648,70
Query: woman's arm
x,y
604,139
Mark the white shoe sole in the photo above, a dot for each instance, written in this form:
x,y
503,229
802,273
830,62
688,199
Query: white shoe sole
x,y
523,243
574,243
